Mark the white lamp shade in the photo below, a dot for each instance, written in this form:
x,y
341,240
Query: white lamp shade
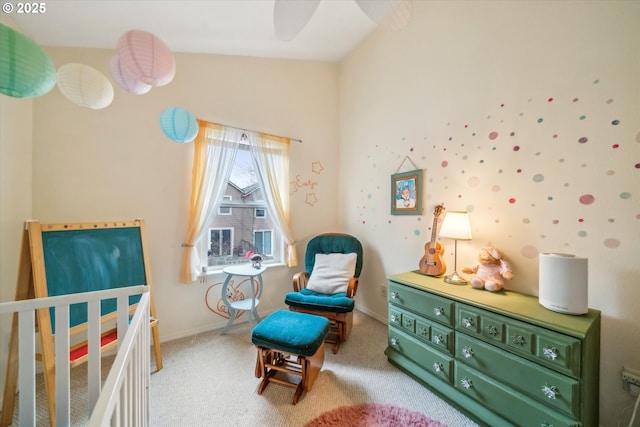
x,y
85,86
456,226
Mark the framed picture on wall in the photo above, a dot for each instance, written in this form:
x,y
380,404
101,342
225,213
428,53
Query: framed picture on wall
x,y
406,193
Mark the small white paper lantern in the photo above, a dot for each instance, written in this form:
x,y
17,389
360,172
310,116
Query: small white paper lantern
x,y
85,86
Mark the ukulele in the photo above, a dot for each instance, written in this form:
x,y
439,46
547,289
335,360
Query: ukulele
x,y
432,263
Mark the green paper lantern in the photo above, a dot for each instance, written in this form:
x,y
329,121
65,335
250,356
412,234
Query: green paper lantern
x,y
26,71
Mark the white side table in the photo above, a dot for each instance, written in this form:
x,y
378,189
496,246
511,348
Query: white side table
x,y
247,304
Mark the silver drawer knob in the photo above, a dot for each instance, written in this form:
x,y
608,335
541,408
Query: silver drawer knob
x,y
467,352
546,425
492,331
438,339
551,392
466,383
438,311
395,318
467,322
438,367
518,340
395,342
550,353
423,331
395,295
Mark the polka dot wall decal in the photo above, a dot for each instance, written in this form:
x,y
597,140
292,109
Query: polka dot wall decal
x,y
538,177
444,164
637,165
516,148
474,181
495,188
583,140
609,101
595,82
555,221
638,137
575,99
540,120
555,136
416,232
512,200
512,134
550,100
580,220
614,146
587,199
625,195
582,117
582,233
615,122
529,251
611,243
611,220
493,135
525,220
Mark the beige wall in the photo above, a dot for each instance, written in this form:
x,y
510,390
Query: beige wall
x,y
15,197
437,90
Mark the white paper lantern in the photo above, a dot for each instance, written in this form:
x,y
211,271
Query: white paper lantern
x,y
85,86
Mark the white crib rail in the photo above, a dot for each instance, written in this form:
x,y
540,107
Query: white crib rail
x,y
124,400
26,310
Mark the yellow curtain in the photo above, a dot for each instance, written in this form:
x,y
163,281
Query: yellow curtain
x,y
215,148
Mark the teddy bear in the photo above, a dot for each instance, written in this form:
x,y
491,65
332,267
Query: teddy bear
x,y
490,271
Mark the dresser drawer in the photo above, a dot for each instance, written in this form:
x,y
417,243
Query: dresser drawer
x,y
428,305
506,402
545,385
436,363
429,331
552,349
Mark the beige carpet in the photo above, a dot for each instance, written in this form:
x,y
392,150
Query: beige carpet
x,y
208,380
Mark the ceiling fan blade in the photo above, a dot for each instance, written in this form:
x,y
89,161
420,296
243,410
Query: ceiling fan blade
x,y
291,16
395,14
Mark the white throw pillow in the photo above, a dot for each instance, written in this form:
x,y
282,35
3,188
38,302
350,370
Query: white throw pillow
x,y
331,273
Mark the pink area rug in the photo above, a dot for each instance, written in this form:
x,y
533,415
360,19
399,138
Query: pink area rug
x,y
372,415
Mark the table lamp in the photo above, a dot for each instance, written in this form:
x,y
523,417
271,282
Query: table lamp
x,y
456,226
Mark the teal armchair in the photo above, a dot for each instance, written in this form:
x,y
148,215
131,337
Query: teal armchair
x,y
327,287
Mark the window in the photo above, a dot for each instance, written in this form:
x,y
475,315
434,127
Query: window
x,y
220,240
225,209
262,239
242,228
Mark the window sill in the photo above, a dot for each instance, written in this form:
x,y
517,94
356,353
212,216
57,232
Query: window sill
x,y
218,271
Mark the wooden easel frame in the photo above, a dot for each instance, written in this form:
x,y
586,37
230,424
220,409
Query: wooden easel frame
x,y
32,283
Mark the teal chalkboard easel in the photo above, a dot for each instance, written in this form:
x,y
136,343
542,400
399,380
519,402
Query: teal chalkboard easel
x,y
62,259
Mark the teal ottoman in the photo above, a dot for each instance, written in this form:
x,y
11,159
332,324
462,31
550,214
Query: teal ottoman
x,y
291,343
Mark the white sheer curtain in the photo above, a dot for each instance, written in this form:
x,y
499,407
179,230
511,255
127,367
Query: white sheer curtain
x,y
271,163
215,150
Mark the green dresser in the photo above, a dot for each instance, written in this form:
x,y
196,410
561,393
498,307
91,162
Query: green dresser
x,y
501,358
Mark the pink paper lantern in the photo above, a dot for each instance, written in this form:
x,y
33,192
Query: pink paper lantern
x,y
146,58
125,80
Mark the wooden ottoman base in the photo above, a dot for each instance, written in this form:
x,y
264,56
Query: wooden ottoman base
x,y
271,361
